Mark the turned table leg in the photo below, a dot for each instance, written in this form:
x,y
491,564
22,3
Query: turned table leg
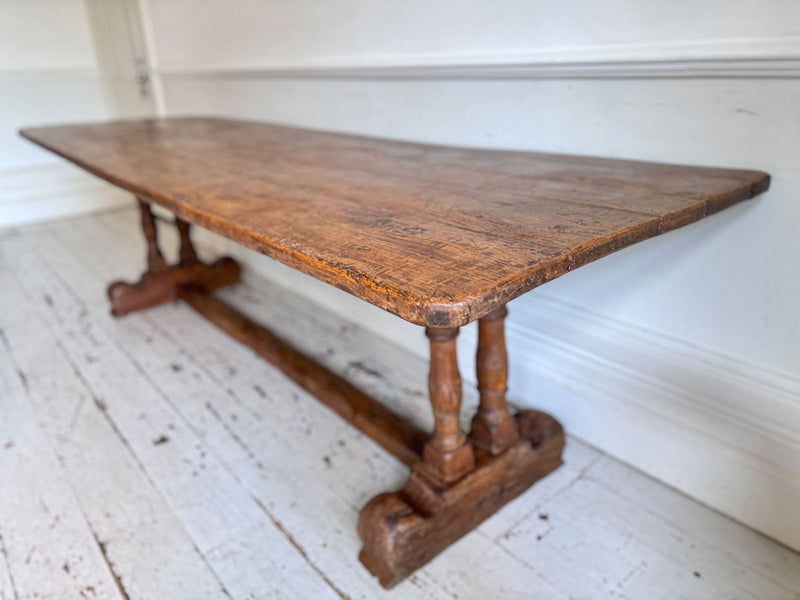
x,y
187,253
155,260
448,454
493,428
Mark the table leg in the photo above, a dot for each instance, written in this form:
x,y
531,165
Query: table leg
x,y
447,455
493,428
161,282
155,260
187,253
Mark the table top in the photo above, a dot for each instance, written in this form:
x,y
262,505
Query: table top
x,y
437,235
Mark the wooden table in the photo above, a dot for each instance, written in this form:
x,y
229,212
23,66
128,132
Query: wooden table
x,y
435,235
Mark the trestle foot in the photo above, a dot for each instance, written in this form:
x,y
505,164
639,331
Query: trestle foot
x,y
161,283
163,286
402,531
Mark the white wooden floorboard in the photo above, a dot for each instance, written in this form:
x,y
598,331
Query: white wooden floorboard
x,y
603,538
200,489
201,468
142,541
44,538
209,406
7,591
712,541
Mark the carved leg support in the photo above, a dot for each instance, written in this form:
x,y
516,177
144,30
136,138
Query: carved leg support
x,y
452,489
162,283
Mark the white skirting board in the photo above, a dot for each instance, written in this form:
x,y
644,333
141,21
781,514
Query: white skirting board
x,y
53,191
718,429
721,430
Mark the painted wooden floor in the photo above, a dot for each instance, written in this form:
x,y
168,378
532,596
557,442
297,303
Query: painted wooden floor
x,y
153,457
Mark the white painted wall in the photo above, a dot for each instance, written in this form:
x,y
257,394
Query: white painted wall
x,y
49,73
679,355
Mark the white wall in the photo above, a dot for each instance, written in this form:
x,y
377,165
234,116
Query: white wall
x,y
49,73
679,355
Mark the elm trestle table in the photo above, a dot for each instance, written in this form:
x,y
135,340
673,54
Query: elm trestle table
x,y
439,236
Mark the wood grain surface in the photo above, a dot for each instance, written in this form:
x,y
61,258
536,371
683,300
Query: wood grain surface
x,y
439,236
